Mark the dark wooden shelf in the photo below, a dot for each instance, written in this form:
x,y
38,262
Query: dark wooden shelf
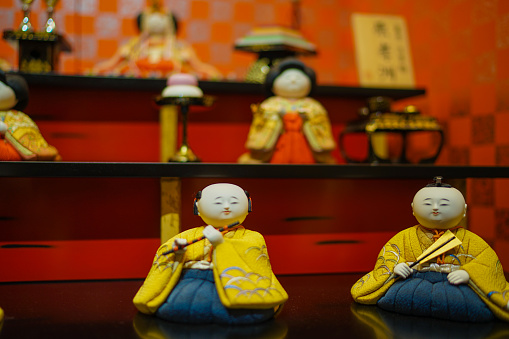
x,y
227,87
232,170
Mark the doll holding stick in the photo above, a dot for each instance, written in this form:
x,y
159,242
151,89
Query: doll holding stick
x,y
226,278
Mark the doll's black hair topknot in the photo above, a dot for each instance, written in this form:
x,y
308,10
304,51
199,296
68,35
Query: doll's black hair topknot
x,y
20,87
3,78
282,66
437,182
172,17
195,206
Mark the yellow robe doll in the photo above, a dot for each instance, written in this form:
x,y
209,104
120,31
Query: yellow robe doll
x,y
231,282
474,256
466,283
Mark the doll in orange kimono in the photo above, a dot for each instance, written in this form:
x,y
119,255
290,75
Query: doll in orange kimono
x,y
289,127
225,278
156,51
465,283
20,138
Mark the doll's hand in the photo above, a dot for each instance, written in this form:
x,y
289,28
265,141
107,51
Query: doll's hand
x,y
458,277
179,242
403,270
3,128
213,235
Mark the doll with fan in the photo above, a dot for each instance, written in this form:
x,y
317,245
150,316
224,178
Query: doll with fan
x,y
437,269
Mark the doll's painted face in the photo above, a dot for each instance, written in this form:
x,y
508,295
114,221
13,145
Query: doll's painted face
x,y
439,207
222,204
292,83
156,23
7,97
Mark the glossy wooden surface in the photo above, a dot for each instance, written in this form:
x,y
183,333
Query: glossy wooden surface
x,y
155,84
320,306
233,170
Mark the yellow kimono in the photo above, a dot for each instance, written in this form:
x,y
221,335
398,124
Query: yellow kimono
x,y
242,273
268,126
475,256
24,135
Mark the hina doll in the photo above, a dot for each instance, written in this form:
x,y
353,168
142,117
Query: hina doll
x,y
156,51
465,283
20,138
289,126
219,273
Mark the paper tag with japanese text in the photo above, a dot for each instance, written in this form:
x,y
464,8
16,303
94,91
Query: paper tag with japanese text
x,y
382,51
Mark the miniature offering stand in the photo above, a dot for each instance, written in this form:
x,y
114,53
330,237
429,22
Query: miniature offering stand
x,y
38,51
184,153
377,119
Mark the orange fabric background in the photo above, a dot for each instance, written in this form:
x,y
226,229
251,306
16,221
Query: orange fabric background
x,y
460,52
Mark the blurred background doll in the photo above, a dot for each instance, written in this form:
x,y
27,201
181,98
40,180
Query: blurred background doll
x,y
289,126
156,51
20,136
226,278
5,65
466,283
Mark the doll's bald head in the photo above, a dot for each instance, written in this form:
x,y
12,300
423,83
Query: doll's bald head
x,y
222,204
